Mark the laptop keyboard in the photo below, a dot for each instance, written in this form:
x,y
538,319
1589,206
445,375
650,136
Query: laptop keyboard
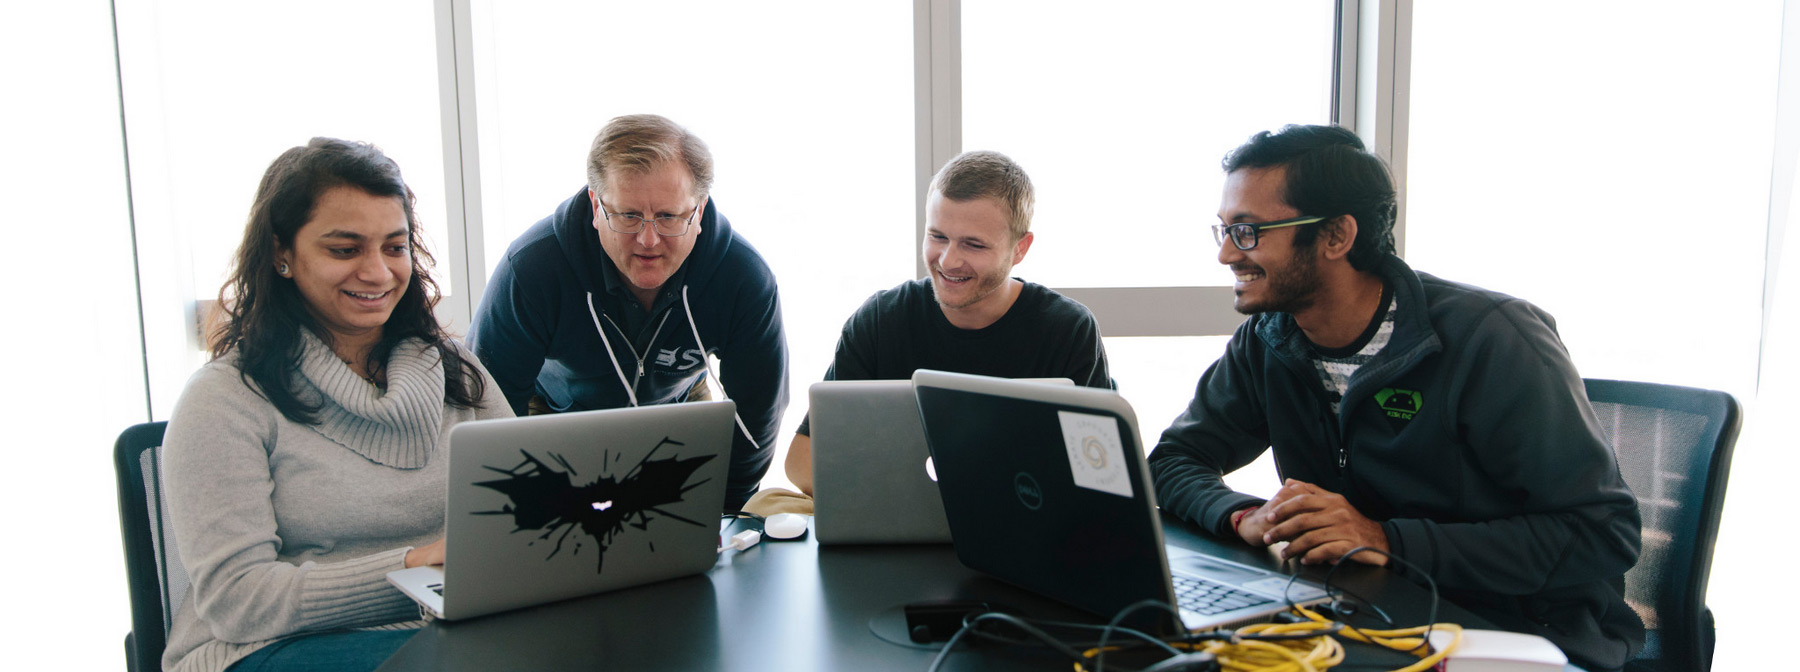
x,y
1203,596
437,588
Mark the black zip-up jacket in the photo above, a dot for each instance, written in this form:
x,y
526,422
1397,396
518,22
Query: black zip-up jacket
x,y
1468,437
536,330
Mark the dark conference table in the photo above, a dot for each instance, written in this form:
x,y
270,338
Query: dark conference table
x,y
793,605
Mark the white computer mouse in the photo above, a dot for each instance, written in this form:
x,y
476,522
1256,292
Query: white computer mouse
x,y
784,526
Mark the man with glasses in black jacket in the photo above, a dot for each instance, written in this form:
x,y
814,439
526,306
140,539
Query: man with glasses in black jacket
x,y
1435,422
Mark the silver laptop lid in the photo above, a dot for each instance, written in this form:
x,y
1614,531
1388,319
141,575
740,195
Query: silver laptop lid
x,y
870,478
549,507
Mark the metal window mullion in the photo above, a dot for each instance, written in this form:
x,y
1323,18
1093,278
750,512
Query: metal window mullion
x,y
462,164
1159,311
137,267
1344,63
937,101
1375,43
1783,170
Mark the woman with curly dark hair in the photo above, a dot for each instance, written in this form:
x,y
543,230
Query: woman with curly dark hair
x,y
308,458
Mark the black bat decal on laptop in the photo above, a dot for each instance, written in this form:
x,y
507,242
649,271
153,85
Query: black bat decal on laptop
x,y
545,498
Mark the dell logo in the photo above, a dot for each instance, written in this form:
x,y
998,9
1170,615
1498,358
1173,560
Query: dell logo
x,y
1028,491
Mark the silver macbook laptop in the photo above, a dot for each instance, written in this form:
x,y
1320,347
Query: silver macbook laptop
x,y
872,480
550,507
1046,487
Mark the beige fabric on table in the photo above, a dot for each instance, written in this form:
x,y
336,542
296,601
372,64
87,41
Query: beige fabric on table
x,y
770,501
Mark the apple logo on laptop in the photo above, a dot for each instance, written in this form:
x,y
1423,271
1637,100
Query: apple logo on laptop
x,y
930,470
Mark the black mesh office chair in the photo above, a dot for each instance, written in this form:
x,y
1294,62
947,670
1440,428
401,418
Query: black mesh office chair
x,y
152,568
1674,449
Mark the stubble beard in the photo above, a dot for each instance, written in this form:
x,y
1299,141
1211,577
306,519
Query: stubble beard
x,y
1292,290
985,286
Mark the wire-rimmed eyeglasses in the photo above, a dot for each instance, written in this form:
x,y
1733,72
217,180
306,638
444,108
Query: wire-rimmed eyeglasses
x,y
1245,235
631,223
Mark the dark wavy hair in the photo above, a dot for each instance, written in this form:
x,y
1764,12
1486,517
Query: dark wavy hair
x,y
263,312
1329,173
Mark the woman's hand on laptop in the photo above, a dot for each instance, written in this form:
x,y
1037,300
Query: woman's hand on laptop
x,y
429,554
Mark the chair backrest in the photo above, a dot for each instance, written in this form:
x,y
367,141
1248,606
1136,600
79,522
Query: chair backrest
x,y
1674,449
153,568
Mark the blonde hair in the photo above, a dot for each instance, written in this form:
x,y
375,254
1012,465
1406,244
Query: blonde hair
x,y
639,143
980,173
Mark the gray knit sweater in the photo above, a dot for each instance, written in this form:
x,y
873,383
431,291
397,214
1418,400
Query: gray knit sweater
x,y
287,528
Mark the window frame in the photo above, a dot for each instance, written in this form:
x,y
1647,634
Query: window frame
x,y
1369,94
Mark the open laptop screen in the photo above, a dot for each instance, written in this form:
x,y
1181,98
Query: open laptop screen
x,y
1045,487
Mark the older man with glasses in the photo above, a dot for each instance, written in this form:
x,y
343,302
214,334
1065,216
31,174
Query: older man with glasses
x,y
1433,422
619,296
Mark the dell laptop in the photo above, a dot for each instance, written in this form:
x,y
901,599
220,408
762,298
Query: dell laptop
x,y
549,507
1046,487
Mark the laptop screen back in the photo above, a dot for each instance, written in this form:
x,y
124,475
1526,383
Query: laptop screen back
x,y
1045,487
870,483
554,506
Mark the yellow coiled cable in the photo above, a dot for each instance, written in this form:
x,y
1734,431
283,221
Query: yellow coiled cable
x,y
1310,654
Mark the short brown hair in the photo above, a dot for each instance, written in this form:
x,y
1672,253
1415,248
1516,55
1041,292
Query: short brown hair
x,y
641,142
980,173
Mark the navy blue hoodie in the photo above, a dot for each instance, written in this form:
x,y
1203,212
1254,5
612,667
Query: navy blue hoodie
x,y
535,333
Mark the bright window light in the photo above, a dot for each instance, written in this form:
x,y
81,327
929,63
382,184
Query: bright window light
x,y
1121,117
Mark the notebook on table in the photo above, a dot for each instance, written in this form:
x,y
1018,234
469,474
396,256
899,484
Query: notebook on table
x,y
549,507
1046,487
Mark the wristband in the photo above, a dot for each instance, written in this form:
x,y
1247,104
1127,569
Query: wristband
x,y
1237,519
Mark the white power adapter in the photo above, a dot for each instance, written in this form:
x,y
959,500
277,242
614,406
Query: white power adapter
x,y
742,540
1499,651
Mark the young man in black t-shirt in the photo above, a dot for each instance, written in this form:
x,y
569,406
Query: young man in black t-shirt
x,y
970,315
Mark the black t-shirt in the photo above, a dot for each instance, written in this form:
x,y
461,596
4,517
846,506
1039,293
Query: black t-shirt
x,y
901,330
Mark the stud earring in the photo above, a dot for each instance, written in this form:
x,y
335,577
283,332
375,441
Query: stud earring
x,y
281,269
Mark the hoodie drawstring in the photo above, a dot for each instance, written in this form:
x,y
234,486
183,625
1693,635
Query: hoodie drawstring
x,y
689,309
630,393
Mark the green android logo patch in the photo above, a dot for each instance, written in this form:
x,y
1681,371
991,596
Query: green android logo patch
x,y
1399,404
